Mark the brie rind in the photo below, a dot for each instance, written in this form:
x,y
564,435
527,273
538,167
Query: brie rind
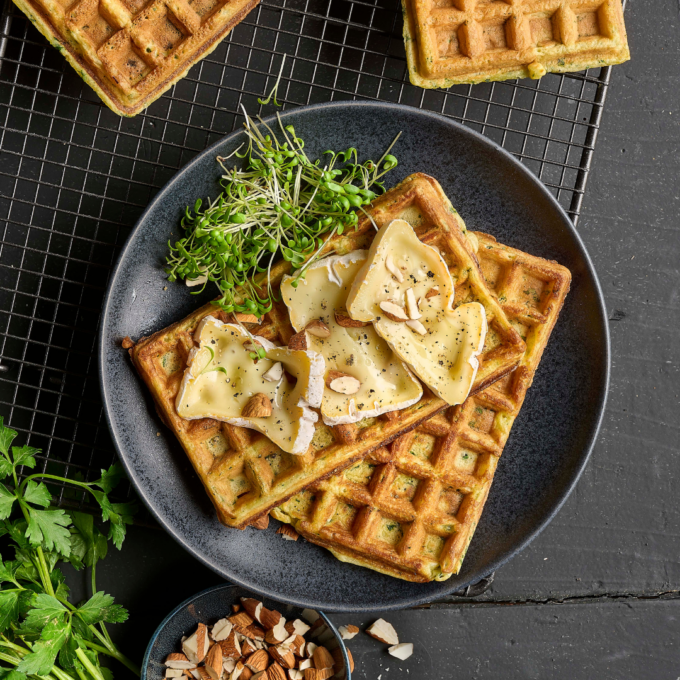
x,y
206,392
445,358
386,383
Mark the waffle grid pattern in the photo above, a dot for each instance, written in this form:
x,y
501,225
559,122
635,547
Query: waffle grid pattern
x,y
410,509
75,177
245,474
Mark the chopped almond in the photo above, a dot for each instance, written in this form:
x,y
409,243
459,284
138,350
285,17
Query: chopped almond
x,y
298,341
221,630
282,655
304,664
275,373
432,292
309,651
346,321
228,665
236,608
174,672
318,328
246,318
297,626
258,406
247,674
289,534
324,673
322,658
275,672
277,634
295,674
393,311
416,326
178,660
231,646
383,631
213,662
310,674
297,646
247,647
412,304
343,383
257,661
270,618
393,269
196,646
348,632
203,673
252,606
402,651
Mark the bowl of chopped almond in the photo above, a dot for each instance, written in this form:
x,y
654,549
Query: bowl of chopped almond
x,y
225,634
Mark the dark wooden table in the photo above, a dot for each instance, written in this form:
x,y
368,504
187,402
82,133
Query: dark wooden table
x,y
596,595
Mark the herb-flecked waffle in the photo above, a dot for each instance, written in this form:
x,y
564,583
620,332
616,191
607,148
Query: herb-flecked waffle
x,y
243,472
449,42
131,51
410,509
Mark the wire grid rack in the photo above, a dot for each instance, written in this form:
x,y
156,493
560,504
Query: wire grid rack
x,y
74,177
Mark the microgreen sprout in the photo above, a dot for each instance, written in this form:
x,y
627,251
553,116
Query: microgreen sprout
x,y
279,204
275,89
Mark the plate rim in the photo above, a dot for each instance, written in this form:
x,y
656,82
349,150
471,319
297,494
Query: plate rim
x,y
543,521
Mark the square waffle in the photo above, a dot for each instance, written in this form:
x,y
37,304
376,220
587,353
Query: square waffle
x,y
449,42
131,51
410,509
245,474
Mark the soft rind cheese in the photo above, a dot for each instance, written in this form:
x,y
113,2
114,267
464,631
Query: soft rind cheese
x,y
386,383
207,392
445,358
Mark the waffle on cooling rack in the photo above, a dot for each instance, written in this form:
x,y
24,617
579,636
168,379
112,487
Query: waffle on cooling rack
x,y
244,473
449,42
410,509
131,51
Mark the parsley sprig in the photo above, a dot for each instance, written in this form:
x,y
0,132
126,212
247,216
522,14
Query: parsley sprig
x,y
279,204
43,634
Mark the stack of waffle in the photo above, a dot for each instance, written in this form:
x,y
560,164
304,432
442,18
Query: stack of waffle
x,y
402,493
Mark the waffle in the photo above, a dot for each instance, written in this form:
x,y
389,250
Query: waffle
x,y
244,474
131,51
449,42
410,509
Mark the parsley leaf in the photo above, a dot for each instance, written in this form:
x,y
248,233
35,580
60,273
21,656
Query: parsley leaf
x,y
7,499
37,494
23,455
7,570
5,467
100,607
52,639
48,527
9,608
110,478
6,436
44,608
13,674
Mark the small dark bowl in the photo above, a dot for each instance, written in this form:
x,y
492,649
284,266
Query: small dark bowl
x,y
208,607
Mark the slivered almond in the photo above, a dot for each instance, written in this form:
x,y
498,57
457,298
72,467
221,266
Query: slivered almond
x,y
275,373
393,269
275,672
412,305
213,662
416,326
297,626
318,328
322,658
432,292
348,632
346,321
270,618
258,406
383,631
257,661
298,341
343,383
287,532
179,661
393,311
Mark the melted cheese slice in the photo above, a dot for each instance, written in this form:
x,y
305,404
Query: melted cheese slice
x,y
386,383
209,393
445,358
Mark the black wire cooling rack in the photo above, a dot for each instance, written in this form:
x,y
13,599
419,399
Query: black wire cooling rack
x,y
74,177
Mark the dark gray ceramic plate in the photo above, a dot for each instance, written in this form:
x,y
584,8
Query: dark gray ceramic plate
x,y
550,442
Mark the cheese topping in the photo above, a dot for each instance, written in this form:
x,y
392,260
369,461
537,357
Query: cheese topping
x,y
221,378
445,355
386,383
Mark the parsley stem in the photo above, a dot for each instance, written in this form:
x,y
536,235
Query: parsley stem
x,y
94,671
47,581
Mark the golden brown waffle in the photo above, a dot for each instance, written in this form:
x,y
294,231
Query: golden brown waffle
x,y
244,473
409,510
131,51
449,42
